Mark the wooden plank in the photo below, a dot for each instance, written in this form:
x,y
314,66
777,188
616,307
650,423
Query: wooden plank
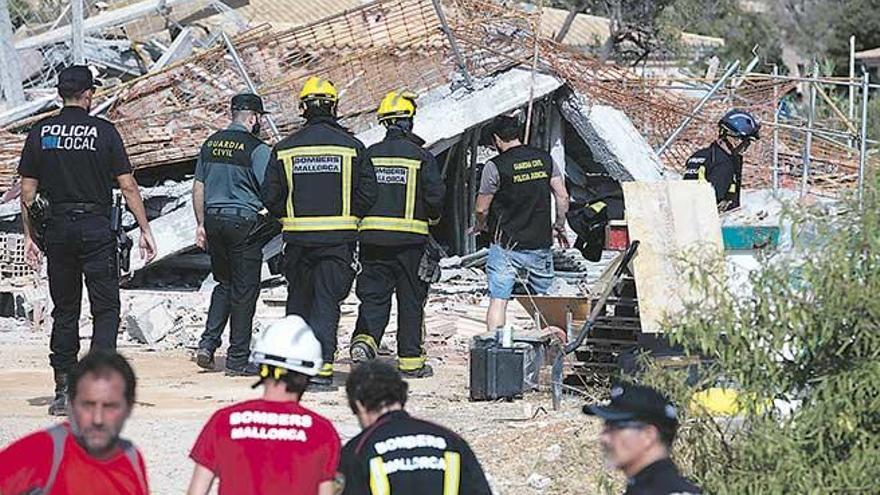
x,y
676,223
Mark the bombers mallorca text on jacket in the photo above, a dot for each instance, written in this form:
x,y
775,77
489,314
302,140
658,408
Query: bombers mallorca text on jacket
x,y
319,184
410,191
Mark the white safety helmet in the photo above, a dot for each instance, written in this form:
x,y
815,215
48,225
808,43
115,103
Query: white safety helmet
x,y
290,344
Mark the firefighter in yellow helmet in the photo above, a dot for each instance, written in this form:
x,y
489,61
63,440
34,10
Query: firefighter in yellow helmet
x,y
394,236
319,184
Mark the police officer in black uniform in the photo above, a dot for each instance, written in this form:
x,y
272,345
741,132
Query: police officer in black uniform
x,y
393,237
640,426
319,184
721,162
397,453
73,159
226,199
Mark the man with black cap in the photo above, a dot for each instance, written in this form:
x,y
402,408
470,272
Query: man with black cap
x,y
226,199
640,426
73,159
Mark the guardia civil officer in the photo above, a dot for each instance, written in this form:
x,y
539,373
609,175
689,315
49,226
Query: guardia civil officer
x,y
320,185
640,426
74,159
226,199
393,237
721,162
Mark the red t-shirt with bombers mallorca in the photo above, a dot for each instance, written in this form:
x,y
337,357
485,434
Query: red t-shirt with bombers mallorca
x,y
266,448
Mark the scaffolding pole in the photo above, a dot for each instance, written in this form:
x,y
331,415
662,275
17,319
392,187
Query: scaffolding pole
x,y
852,77
808,146
776,107
459,59
10,75
687,120
863,145
247,80
77,34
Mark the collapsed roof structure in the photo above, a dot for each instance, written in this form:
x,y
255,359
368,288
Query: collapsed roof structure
x,y
470,60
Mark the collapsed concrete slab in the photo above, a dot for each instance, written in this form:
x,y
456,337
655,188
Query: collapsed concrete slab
x,y
615,142
445,115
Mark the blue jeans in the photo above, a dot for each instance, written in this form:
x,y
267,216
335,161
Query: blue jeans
x,y
532,267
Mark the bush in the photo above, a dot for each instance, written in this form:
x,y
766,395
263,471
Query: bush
x,y
804,351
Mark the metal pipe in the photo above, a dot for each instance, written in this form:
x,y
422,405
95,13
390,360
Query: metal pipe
x,y
77,46
823,80
247,79
776,108
808,146
852,77
863,148
687,120
829,133
459,59
472,190
10,75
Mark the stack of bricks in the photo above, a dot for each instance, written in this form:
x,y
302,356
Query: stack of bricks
x,y
13,268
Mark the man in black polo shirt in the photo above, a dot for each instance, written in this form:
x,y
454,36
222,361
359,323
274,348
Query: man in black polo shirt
x,y
640,426
721,162
514,206
73,159
226,198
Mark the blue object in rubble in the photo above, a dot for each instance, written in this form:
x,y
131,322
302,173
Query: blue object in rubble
x,y
749,238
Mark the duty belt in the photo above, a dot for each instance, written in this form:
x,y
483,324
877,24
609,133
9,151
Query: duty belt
x,y
93,208
231,211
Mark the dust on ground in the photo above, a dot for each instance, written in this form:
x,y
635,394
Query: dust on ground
x,y
524,446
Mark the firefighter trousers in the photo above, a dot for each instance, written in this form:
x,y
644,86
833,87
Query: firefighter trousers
x,y
388,270
319,278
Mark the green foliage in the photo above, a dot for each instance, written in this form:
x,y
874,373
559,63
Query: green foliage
x,y
741,30
821,28
808,335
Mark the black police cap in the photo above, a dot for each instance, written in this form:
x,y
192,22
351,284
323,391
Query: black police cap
x,y
76,78
635,403
248,101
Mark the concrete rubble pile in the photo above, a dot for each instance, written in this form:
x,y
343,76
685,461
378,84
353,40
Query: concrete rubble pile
x,y
165,114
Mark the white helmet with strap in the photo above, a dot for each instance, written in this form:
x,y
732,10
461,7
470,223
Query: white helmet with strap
x,y
291,344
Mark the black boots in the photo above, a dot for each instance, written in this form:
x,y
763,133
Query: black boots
x,y
58,407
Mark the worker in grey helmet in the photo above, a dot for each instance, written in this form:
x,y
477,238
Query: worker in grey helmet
x,y
226,199
640,426
721,162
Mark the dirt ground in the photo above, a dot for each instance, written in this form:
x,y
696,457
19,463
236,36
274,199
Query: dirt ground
x,y
524,446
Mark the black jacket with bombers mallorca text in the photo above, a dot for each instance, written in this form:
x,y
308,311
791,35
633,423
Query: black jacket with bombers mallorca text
x,y
404,455
319,184
410,191
722,169
521,206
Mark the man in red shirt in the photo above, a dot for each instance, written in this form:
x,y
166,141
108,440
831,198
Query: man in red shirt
x,y
87,454
271,445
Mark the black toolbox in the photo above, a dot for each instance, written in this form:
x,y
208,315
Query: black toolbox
x,y
495,372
